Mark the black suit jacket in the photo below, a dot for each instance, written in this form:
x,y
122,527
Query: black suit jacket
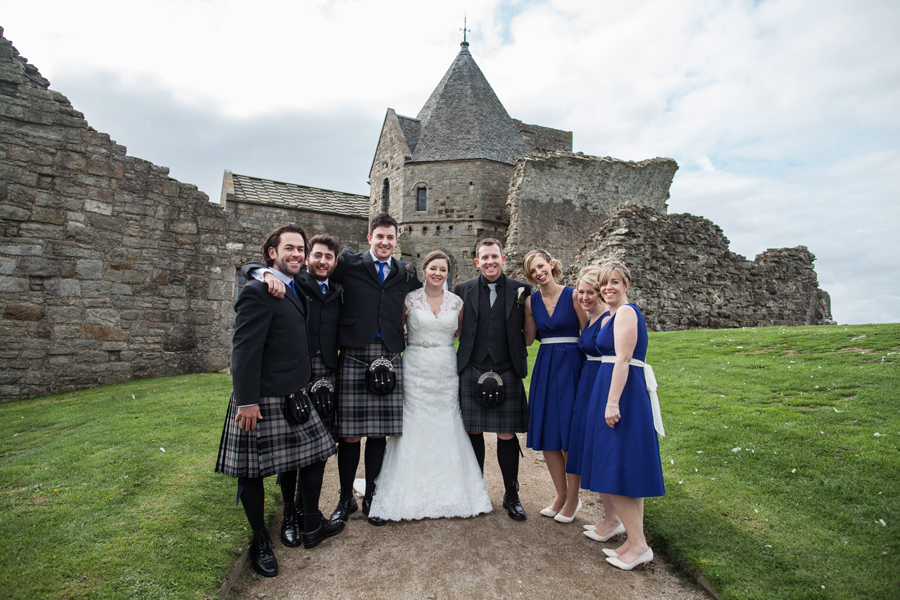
x,y
269,348
515,322
324,315
370,306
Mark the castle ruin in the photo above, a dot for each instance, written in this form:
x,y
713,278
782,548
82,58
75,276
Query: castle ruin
x,y
111,270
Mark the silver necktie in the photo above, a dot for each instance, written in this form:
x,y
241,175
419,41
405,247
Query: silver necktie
x,y
493,295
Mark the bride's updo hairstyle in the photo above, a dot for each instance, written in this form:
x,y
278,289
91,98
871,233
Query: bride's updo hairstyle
x,y
556,272
435,255
614,266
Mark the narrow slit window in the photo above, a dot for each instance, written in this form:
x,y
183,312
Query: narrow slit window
x,y
421,199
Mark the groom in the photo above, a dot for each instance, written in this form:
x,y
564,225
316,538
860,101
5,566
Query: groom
x,y
492,341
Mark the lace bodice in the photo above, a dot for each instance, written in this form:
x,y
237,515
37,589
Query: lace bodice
x,y
429,331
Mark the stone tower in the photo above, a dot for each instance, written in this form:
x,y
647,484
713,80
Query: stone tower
x,y
445,174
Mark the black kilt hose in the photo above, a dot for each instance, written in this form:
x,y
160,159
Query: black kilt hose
x,y
319,370
512,414
275,446
359,412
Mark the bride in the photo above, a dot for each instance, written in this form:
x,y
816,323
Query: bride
x,y
430,471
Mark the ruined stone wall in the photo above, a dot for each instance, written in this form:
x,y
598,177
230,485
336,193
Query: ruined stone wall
x,y
109,269
685,277
544,139
557,201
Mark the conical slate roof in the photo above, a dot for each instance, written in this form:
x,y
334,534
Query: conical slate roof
x,y
463,119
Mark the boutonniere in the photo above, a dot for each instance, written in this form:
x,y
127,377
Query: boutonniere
x,y
410,270
520,301
340,290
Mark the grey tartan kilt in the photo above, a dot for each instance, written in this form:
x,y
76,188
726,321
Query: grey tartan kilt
x,y
319,370
510,417
275,446
360,413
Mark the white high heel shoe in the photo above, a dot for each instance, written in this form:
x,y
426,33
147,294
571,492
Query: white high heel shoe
x,y
563,519
590,527
610,552
549,512
602,538
643,558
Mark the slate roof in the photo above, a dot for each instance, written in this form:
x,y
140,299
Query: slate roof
x,y
267,191
463,119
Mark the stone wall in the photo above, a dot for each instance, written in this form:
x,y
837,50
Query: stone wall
x,y
391,155
466,201
557,201
685,277
257,219
109,269
544,139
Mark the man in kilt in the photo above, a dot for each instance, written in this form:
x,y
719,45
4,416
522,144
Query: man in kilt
x,y
323,298
270,361
371,328
492,350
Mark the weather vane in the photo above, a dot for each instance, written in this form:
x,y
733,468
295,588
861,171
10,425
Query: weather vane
x,y
464,30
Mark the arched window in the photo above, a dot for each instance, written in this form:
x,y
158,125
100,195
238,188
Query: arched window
x,y
386,196
421,199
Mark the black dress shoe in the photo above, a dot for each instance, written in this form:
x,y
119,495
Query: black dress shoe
x,y
290,527
262,555
512,504
366,506
326,530
345,508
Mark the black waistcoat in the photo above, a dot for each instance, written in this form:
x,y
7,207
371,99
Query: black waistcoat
x,y
491,343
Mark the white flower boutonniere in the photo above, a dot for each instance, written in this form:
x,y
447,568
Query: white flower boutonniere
x,y
520,301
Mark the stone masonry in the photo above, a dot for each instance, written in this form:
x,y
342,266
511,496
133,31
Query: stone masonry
x,y
109,269
557,200
685,277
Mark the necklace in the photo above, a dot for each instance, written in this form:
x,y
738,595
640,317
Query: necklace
x,y
552,304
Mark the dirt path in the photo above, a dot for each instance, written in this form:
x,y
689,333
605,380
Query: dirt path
x,y
490,556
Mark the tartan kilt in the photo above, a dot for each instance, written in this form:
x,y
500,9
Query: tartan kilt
x,y
510,417
359,412
275,446
319,370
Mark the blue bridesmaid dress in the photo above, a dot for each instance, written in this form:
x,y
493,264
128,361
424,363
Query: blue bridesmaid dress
x,y
586,378
555,374
623,460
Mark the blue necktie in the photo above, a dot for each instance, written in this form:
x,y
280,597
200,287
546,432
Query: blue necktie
x,y
381,271
324,288
293,289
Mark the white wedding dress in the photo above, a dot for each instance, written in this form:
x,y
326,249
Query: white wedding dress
x,y
430,471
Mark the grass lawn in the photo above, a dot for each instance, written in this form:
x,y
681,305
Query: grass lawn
x,y
781,461
110,492
777,484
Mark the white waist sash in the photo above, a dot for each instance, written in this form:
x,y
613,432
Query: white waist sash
x,y
650,380
560,340
599,358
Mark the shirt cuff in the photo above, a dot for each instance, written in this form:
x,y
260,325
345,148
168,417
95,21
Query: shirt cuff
x,y
260,273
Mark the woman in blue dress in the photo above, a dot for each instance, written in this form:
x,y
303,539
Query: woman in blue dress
x,y
553,314
621,459
587,290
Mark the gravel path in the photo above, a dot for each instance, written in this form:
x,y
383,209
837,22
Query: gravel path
x,y
490,556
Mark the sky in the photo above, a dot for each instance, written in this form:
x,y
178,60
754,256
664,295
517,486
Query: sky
x,y
782,114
